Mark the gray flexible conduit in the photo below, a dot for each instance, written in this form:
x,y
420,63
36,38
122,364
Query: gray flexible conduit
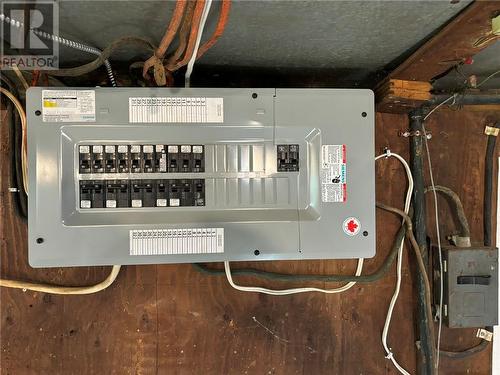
x,y
66,42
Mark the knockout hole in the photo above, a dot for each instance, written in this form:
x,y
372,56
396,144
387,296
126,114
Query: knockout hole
x,y
39,240
254,95
38,112
364,114
365,233
256,252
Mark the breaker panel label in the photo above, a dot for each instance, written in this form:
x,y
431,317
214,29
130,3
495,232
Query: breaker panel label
x,y
333,173
176,110
177,241
68,105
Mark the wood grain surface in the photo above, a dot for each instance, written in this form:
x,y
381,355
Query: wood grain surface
x,y
452,44
169,319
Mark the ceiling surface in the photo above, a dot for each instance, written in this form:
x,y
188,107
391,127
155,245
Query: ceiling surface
x,y
349,40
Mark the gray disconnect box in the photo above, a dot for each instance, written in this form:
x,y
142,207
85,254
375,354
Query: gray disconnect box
x,y
470,286
139,175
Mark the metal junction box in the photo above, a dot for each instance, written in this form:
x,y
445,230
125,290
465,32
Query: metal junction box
x,y
470,297
139,175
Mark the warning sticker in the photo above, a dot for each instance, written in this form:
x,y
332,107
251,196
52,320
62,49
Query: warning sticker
x,y
176,110
68,105
333,173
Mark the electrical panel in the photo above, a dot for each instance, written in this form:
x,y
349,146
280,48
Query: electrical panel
x,y
139,175
470,281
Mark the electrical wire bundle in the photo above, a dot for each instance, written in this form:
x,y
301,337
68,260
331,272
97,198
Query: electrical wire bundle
x,y
188,21
17,117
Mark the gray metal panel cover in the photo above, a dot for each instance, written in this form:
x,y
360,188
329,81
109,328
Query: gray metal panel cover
x,y
281,214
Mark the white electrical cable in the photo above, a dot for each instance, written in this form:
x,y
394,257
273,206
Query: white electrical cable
x,y
204,16
59,289
359,269
385,331
439,105
41,287
283,292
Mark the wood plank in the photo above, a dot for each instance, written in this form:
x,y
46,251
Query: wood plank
x,y
170,319
453,43
400,96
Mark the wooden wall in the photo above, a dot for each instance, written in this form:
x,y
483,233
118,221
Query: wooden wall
x,y
169,319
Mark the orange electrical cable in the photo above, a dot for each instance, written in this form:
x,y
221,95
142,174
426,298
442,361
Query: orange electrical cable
x,y
219,30
195,25
183,34
168,37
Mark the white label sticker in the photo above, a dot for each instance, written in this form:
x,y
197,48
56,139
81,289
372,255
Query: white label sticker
x,y
96,149
177,241
148,149
110,149
68,105
186,149
110,203
176,110
84,149
85,204
333,173
161,203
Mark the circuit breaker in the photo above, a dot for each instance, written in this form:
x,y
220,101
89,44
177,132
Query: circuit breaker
x,y
140,175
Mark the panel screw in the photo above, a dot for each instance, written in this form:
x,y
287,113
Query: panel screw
x,y
38,112
39,240
254,95
364,114
256,252
365,233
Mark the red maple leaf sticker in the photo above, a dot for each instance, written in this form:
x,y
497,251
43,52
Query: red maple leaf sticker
x,y
352,226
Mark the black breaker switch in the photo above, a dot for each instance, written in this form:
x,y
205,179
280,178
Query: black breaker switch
x,y
97,159
117,194
84,159
148,158
199,192
91,194
161,193
123,158
110,158
288,158
174,193
185,159
135,159
173,158
198,161
186,196
142,194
